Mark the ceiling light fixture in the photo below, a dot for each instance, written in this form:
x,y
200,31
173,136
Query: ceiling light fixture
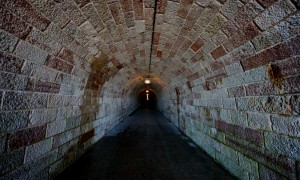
x,y
147,81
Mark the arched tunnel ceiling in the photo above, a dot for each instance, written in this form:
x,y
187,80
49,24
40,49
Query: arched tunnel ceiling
x,y
190,37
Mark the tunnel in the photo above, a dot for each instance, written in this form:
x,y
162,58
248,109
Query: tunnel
x,y
225,73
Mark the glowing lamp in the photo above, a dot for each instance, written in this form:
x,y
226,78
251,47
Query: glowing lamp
x,y
147,81
147,91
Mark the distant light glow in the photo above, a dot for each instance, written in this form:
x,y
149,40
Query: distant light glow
x,y
147,81
147,97
147,91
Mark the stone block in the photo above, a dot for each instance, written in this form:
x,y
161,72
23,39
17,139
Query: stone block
x,y
29,52
13,24
33,168
34,151
26,137
230,8
218,52
10,121
11,160
56,168
238,91
272,104
42,86
274,14
2,143
215,25
234,68
281,164
67,136
282,144
259,121
42,116
248,165
43,42
72,11
23,101
288,125
56,127
12,81
25,10
86,136
267,173
276,53
10,63
58,64
7,42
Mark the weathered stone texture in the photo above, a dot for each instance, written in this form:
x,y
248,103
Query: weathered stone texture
x,y
70,71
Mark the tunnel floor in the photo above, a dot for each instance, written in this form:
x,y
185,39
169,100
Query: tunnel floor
x,y
145,146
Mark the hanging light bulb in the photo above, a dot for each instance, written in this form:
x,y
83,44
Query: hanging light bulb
x,y
147,91
147,81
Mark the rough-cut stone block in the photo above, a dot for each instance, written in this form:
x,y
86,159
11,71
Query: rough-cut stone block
x,y
279,163
161,6
273,104
231,7
234,68
259,121
12,81
58,64
31,53
197,44
56,127
248,164
33,168
274,14
218,52
23,101
247,134
62,138
26,137
34,151
10,121
127,5
115,9
86,136
283,145
13,24
129,19
10,161
138,9
7,42
72,11
41,86
267,173
42,41
286,125
26,12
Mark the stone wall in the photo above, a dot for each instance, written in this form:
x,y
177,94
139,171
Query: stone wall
x,y
54,102
242,106
226,72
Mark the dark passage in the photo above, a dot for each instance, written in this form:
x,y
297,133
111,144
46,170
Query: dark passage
x,y
145,146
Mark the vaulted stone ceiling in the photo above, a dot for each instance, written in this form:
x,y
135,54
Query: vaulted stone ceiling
x,y
191,39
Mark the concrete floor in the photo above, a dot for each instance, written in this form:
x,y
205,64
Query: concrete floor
x,y
145,146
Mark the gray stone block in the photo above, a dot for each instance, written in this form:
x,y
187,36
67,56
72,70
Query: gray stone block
x,y
10,121
11,160
7,41
34,151
29,52
282,144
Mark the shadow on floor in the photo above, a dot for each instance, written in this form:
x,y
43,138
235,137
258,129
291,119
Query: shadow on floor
x,y
145,146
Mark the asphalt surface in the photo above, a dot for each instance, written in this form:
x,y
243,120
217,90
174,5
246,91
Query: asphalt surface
x,y
145,146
